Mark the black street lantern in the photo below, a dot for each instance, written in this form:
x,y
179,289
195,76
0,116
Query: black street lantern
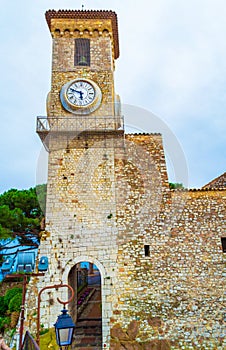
x,y
64,328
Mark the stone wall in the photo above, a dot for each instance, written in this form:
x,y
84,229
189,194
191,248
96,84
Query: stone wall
x,y
80,224
81,218
176,295
108,202
158,251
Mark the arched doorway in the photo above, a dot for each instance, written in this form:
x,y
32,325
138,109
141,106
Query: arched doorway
x,y
86,309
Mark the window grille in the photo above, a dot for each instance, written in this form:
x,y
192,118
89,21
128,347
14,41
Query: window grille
x,y
82,52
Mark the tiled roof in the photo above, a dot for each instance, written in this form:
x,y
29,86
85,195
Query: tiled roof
x,y
89,14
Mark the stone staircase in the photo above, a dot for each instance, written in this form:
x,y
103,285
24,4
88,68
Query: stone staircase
x,y
88,331
88,334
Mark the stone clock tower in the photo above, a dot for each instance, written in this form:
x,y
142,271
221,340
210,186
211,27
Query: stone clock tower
x,y
104,187
81,132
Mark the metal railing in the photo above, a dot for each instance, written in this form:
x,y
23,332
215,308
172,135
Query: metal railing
x,y
29,343
85,124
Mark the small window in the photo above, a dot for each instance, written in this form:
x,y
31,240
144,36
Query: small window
x,y
223,242
146,250
82,52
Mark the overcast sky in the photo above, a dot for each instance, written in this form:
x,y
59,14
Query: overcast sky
x,y
172,63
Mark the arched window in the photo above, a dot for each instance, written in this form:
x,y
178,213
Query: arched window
x,y
82,52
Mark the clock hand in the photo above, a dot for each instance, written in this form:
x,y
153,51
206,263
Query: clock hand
x,y
73,90
78,92
81,95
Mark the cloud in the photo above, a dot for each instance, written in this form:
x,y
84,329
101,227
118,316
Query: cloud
x,y
172,62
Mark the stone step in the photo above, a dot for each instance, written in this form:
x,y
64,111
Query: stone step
x,y
88,331
89,323
85,347
81,319
87,341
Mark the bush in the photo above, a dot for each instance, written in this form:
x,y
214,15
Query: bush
x,y
15,303
3,306
10,294
4,323
176,185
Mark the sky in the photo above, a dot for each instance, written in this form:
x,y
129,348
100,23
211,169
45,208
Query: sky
x,y
172,65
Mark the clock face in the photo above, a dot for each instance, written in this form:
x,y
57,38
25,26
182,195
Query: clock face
x,y
80,96
81,93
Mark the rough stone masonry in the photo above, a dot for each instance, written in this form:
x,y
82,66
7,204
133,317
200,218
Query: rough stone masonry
x,y
158,250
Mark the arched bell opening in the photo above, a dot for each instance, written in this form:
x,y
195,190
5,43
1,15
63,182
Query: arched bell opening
x,y
86,308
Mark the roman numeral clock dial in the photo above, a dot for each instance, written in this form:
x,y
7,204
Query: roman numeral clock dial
x,y
81,93
80,96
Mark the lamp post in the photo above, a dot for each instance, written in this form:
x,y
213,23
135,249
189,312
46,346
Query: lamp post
x,y
64,325
64,328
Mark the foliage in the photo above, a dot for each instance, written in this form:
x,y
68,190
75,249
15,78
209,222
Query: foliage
x,y
26,200
4,323
15,303
10,306
176,185
4,232
10,294
21,215
15,220
3,306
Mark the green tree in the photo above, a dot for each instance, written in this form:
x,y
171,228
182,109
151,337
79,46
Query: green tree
x,y
12,219
4,233
7,198
21,214
14,223
26,200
